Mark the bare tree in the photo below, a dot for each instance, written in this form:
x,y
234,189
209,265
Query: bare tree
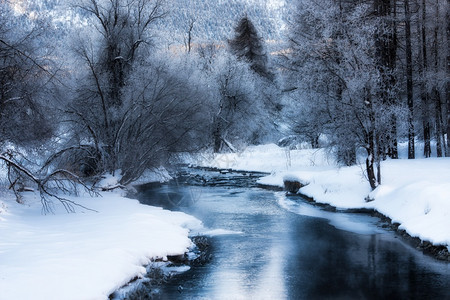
x,y
124,27
25,74
124,36
131,109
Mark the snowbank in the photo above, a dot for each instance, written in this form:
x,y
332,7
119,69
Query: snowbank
x,y
264,158
414,193
87,255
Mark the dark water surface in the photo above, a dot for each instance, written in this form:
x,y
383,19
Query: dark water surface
x,y
266,245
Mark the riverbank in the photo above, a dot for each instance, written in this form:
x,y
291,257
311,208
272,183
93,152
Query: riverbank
x,y
86,255
414,195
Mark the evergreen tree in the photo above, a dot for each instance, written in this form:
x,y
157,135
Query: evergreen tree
x,y
249,46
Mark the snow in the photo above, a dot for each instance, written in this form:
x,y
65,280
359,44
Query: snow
x,y
413,193
154,175
90,254
264,158
150,175
86,255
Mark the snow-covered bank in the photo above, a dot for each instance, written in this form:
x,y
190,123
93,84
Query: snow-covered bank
x,y
414,193
87,255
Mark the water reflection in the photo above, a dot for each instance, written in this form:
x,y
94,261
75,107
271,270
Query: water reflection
x,y
357,223
353,266
283,248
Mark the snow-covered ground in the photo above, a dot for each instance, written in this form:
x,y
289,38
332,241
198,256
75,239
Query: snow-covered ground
x,y
414,193
83,255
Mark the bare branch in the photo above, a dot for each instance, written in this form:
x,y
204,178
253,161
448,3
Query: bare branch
x,y
57,177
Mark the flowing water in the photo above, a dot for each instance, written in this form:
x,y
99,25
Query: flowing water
x,y
266,245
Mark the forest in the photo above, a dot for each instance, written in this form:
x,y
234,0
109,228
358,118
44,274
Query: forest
x,y
91,87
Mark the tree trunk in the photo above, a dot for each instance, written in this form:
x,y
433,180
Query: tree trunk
x,y
424,95
427,138
393,142
393,65
370,144
447,92
217,139
378,158
189,41
438,116
370,161
386,51
436,97
409,81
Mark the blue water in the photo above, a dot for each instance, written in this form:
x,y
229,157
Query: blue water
x,y
279,247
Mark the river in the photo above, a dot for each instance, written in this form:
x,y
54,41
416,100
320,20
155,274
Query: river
x,y
266,245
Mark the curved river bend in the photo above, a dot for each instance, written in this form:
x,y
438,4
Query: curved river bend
x,y
266,245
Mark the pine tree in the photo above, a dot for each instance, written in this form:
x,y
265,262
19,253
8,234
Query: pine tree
x,y
249,46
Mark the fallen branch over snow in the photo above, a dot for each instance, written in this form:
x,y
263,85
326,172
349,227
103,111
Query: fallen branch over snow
x,y
63,180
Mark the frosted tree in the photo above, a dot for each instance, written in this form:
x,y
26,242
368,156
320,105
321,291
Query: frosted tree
x,y
339,80
249,47
240,116
124,30
214,20
235,102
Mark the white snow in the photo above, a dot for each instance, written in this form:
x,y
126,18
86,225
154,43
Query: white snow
x,y
154,175
150,175
265,158
86,255
413,193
